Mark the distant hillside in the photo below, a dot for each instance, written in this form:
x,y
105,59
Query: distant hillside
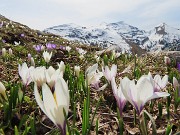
x,y
18,34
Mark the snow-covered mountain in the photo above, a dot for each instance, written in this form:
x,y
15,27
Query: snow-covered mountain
x,y
163,37
119,34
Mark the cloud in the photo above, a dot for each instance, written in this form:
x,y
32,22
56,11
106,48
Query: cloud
x,y
159,8
45,13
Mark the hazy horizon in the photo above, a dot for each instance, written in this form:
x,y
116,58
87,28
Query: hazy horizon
x,y
41,14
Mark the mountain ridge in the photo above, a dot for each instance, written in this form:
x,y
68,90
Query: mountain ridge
x,y
122,35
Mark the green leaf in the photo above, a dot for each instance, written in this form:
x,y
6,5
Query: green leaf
x,y
168,129
154,132
16,130
22,122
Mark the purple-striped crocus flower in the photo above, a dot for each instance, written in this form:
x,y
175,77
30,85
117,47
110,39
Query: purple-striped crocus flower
x,y
109,74
157,82
141,92
120,99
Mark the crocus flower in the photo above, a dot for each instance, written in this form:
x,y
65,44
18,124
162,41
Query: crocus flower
x,y
167,60
47,56
93,77
1,24
29,57
22,35
4,41
109,74
52,75
32,62
77,70
138,94
24,73
81,51
68,48
54,103
120,99
17,43
2,90
38,75
61,66
38,48
3,51
157,82
10,51
62,48
176,85
50,46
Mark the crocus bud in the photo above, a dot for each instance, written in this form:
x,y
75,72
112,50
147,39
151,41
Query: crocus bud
x,y
167,60
81,57
47,56
3,51
2,90
10,51
32,62
29,57
61,66
77,70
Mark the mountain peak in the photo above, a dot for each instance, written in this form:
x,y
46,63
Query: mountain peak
x,y
120,34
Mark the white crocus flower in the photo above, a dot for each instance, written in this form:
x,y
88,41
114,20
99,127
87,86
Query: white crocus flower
x,y
32,62
158,83
24,73
38,75
3,51
176,85
61,66
77,70
81,51
93,76
2,90
68,48
138,94
109,74
52,75
10,51
120,99
54,103
117,54
47,56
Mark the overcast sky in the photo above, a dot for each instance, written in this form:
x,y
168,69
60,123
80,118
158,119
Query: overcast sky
x,y
41,14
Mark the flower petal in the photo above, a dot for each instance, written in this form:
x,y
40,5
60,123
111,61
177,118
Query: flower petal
x,y
164,81
49,103
159,94
38,98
